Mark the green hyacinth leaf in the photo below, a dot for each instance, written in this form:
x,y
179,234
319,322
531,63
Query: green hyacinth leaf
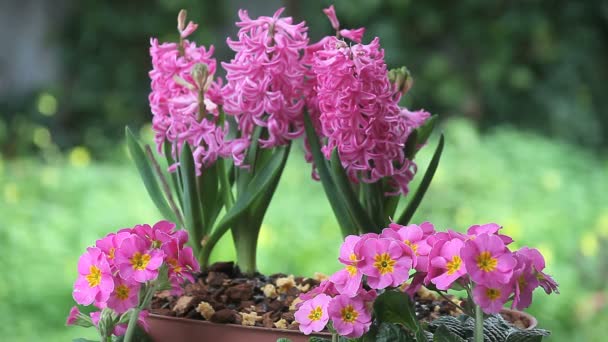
x,y
409,211
348,196
147,175
193,214
176,182
335,199
260,184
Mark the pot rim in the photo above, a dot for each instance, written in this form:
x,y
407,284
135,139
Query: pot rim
x,y
235,326
533,323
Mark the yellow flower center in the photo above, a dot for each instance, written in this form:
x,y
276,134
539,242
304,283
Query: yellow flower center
x,y
111,254
315,314
94,276
454,265
384,263
174,265
140,261
352,269
486,262
493,294
349,314
413,246
156,244
122,292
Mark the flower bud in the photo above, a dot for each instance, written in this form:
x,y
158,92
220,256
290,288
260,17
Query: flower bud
x,y
181,20
200,74
402,79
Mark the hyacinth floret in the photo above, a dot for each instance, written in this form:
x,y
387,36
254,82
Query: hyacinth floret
x,y
360,115
184,101
265,79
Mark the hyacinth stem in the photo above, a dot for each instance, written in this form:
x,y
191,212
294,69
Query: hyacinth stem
x,y
245,242
478,334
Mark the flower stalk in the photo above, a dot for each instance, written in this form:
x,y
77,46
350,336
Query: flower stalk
x,y
478,335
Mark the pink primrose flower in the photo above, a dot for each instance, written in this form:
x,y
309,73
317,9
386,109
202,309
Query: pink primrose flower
x,y
491,298
449,235
95,316
182,264
135,260
348,280
386,262
326,287
489,228
538,263
121,329
487,260
413,236
160,234
350,316
125,295
523,282
312,314
94,282
73,316
417,281
446,265
265,79
110,243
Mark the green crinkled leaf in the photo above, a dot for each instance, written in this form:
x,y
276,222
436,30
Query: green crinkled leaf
x,y
388,332
147,175
443,334
80,339
318,339
495,328
532,335
409,211
397,307
451,323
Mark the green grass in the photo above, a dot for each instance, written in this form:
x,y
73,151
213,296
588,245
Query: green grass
x,y
546,194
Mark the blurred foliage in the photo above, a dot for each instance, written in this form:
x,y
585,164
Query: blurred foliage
x,y
549,195
538,64
105,85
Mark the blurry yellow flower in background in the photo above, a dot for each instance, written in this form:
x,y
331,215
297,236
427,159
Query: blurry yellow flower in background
x,y
80,156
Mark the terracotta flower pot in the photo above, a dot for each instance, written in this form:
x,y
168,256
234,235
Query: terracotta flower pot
x,y
171,329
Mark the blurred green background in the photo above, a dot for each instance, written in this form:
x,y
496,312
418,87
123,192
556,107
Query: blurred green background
x,y
519,86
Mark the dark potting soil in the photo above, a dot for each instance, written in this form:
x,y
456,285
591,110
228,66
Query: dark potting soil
x,y
222,294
